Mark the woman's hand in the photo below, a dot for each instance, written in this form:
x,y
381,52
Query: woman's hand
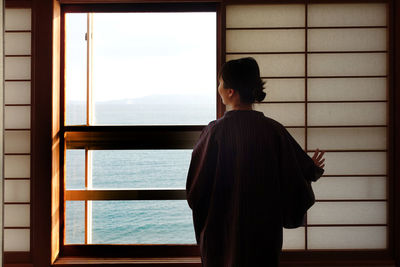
x,y
318,158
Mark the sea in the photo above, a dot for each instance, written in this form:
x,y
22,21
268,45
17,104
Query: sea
x,y
134,221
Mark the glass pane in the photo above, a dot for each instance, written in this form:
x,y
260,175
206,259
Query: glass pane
x,y
277,65
17,191
368,64
16,240
372,237
17,43
265,16
265,41
17,92
346,15
338,89
17,166
347,138
355,163
142,222
17,117
163,72
294,238
17,68
75,169
347,213
140,168
17,141
284,90
350,188
75,222
75,68
17,19
347,114
287,114
16,215
347,39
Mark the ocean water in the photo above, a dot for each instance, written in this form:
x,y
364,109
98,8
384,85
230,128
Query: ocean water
x,y
136,221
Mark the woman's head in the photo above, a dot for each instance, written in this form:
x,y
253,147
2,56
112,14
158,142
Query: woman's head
x,y
243,76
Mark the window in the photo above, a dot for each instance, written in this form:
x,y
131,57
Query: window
x,y
139,87
299,88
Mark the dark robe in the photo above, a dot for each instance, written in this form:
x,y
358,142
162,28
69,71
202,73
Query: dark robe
x,y
247,179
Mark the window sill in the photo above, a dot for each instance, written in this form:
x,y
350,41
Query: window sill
x,y
85,261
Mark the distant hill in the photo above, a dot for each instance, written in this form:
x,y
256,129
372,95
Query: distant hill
x,y
163,99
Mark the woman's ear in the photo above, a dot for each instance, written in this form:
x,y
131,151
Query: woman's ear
x,y
231,92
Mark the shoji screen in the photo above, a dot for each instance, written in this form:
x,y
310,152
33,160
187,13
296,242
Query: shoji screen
x,y
17,106
326,71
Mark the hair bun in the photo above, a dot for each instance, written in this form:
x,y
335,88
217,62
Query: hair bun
x,y
258,92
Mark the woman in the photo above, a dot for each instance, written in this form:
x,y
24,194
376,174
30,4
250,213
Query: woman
x,y
248,177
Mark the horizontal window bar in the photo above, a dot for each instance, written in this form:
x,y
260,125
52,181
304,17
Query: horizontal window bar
x,y
343,225
17,55
324,77
136,194
18,154
17,129
354,175
17,227
134,137
307,52
12,179
158,194
295,28
17,31
325,101
17,105
351,200
17,80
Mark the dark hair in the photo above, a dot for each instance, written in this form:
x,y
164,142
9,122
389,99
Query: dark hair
x,y
243,75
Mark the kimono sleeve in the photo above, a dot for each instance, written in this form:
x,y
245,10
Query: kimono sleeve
x,y
200,179
297,170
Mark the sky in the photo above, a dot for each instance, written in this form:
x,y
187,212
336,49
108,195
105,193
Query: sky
x,y
142,54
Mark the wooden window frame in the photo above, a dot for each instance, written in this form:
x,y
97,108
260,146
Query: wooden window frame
x,y
46,140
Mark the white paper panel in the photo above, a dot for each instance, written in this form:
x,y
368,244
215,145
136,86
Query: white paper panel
x,y
17,68
16,215
284,90
368,64
17,142
347,39
17,43
286,114
17,19
17,93
350,188
338,89
17,191
347,213
346,15
16,240
347,138
298,134
265,16
17,166
265,41
350,163
347,114
277,65
293,238
373,237
17,117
